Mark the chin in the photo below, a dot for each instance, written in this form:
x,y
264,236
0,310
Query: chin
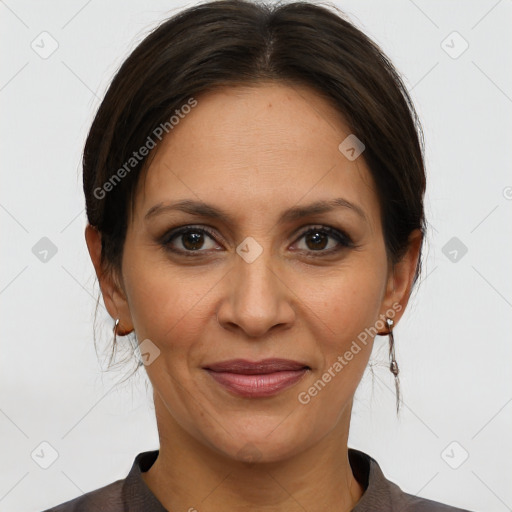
x,y
265,444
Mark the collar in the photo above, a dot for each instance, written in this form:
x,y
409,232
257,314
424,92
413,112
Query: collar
x,y
379,492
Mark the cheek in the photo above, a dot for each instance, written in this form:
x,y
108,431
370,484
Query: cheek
x,y
342,315
345,304
163,308
168,306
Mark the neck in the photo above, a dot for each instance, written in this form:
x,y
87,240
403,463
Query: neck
x,y
189,475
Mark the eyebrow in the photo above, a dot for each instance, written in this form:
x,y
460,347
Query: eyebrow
x,y
202,209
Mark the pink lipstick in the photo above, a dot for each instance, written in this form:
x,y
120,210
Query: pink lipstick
x,y
264,378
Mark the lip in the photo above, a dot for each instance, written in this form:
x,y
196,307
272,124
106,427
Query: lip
x,y
253,379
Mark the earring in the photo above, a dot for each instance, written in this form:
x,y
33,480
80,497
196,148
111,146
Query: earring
x,y
134,343
393,365
117,330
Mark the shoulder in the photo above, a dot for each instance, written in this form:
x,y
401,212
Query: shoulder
x,y
408,503
383,494
107,499
129,494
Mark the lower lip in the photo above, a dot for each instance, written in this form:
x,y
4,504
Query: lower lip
x,y
260,385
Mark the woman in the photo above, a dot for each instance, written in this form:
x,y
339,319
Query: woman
x,y
254,182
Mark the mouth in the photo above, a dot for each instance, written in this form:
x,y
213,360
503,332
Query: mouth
x,y
257,379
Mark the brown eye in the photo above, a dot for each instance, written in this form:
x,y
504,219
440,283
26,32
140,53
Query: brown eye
x,y
317,240
191,240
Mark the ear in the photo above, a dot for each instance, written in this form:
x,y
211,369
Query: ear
x,y
401,278
113,294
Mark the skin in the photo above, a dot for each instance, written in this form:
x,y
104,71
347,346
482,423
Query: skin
x,y
255,152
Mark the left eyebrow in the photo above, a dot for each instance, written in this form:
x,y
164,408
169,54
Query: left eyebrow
x,y
202,209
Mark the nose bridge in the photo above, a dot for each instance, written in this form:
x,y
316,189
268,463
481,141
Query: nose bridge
x,y
255,275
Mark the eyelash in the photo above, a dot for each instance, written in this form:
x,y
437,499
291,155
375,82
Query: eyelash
x,y
345,242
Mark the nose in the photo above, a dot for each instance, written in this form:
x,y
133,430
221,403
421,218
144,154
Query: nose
x,y
257,297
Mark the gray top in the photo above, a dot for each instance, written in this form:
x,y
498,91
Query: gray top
x,y
133,495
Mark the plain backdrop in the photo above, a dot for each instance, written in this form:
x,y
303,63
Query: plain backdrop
x,y
452,442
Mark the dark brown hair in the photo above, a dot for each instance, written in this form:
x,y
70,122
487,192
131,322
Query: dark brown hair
x,y
231,42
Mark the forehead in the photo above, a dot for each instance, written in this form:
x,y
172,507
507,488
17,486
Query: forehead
x,y
257,149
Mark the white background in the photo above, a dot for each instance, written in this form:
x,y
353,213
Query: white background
x,y
453,344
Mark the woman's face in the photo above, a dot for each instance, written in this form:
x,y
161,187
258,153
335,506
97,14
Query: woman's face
x,y
264,282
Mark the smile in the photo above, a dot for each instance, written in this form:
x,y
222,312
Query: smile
x,y
257,379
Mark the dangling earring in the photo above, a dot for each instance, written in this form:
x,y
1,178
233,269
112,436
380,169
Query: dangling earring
x,y
393,365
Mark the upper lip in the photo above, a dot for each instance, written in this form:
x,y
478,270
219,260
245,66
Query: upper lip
x,y
256,367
